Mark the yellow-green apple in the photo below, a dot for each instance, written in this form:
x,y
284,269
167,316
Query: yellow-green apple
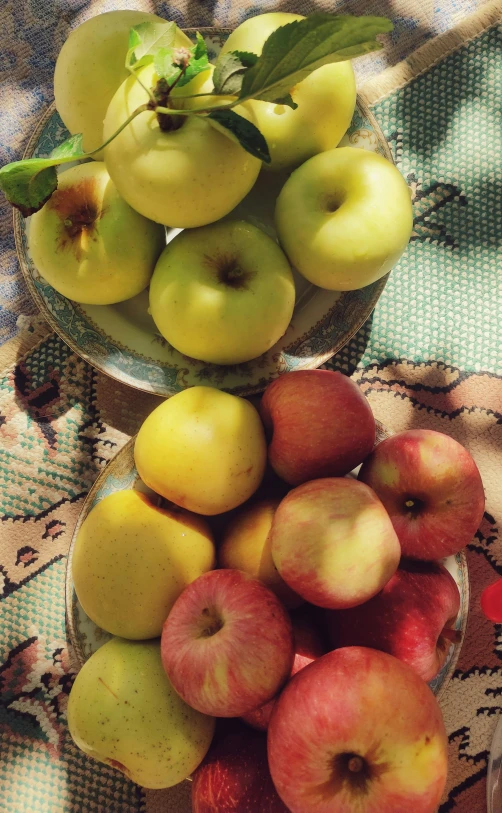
x,y
227,644
132,559
223,293
123,711
320,424
333,542
358,730
308,645
246,545
413,618
326,99
344,218
202,449
89,244
234,776
91,66
431,488
184,177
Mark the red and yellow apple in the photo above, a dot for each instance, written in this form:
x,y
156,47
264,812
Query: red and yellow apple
x,y
320,425
431,488
227,644
358,730
344,218
234,776
413,618
326,99
333,542
308,645
246,546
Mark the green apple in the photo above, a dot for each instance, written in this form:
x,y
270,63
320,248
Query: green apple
x,y
223,293
326,100
132,559
344,218
184,177
203,449
123,711
91,66
89,244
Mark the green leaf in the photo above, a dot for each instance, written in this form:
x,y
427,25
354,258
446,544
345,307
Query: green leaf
x,y
230,70
28,184
145,40
244,131
294,50
163,62
198,63
73,146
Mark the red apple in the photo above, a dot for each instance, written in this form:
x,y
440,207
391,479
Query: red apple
x,y
309,645
320,422
234,776
358,730
432,489
333,542
227,644
412,618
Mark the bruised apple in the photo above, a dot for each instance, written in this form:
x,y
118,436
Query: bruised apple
x,y
326,99
91,66
184,177
89,244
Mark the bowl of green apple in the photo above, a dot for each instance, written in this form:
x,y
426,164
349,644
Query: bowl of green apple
x,y
208,206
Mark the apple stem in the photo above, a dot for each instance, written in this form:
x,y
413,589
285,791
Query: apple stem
x,y
355,764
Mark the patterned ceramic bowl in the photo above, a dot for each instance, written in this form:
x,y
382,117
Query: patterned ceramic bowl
x,y
121,474
122,341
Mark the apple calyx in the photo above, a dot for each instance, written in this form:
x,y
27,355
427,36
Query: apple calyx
x,y
229,272
414,506
353,769
211,623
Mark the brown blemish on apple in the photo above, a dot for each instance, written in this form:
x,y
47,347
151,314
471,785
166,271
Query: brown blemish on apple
x,y
107,687
228,271
120,767
79,211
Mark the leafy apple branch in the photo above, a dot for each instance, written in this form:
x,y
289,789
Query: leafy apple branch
x,y
288,56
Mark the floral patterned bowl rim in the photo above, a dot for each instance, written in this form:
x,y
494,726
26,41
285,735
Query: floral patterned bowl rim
x,y
324,329
119,474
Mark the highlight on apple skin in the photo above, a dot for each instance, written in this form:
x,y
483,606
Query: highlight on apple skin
x,y
333,542
413,618
358,730
431,488
227,644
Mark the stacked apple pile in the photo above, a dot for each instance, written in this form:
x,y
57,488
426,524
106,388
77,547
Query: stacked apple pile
x,y
263,580
179,142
